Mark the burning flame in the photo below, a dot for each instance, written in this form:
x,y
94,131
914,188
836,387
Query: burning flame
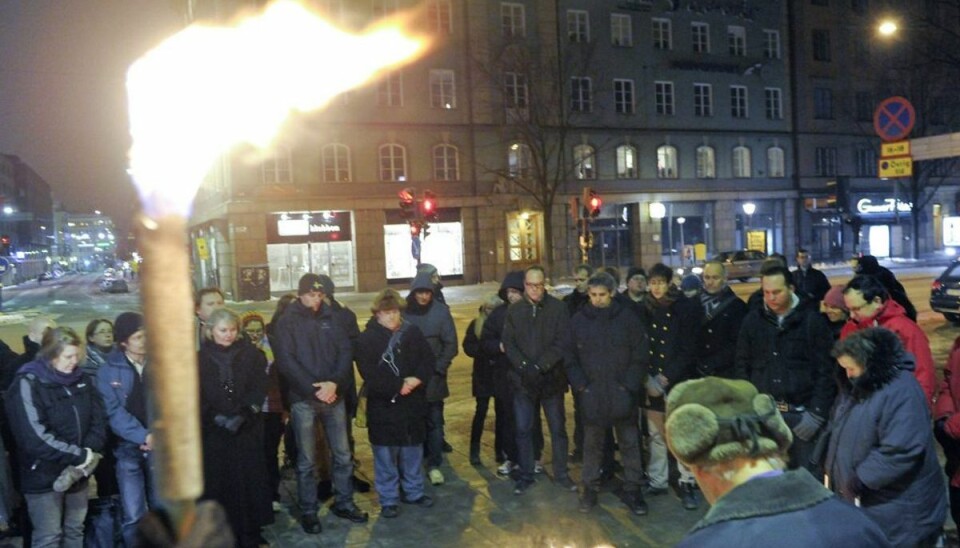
x,y
206,89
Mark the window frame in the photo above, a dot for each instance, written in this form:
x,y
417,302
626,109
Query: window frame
x,y
336,169
822,103
739,102
664,98
396,171
771,44
825,161
581,94
584,162
578,26
702,102
278,161
741,162
624,96
662,33
519,160
617,31
513,20
626,154
440,16
700,37
776,162
706,157
668,159
445,87
773,103
449,154
390,90
737,40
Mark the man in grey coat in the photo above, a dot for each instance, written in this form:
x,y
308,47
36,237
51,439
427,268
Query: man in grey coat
x,y
435,321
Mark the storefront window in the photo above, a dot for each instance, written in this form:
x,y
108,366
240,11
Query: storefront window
x,y
443,249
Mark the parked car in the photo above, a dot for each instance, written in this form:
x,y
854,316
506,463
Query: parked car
x,y
115,285
945,293
742,265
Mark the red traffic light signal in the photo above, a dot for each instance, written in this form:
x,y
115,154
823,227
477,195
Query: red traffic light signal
x,y
428,207
407,203
593,204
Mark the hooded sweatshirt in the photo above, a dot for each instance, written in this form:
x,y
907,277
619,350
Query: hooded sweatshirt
x,y
436,324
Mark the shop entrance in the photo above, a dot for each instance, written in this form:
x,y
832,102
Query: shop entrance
x,y
288,262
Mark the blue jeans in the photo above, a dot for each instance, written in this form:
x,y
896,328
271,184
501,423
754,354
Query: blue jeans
x,y
58,518
395,466
304,415
135,481
525,410
433,447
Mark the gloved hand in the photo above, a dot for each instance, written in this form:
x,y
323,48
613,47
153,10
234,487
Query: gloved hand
x,y
231,422
91,462
654,388
807,428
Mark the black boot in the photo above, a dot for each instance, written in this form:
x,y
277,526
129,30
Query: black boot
x,y
688,496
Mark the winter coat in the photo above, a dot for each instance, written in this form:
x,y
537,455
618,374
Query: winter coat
x,y
948,406
718,339
30,349
791,362
347,320
674,331
394,420
893,317
115,381
608,362
789,510
436,325
490,339
54,419
869,265
535,334
233,382
810,283
484,365
311,347
575,301
881,449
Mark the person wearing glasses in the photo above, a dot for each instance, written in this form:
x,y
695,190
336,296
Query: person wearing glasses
x,y
534,338
99,335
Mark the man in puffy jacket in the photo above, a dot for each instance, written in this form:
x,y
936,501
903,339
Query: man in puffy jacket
x,y
606,368
315,357
784,350
534,339
870,305
436,323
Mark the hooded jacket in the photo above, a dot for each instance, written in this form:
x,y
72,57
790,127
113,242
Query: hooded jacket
x,y
947,407
789,360
53,421
436,323
869,265
310,348
535,334
881,448
492,334
893,317
608,362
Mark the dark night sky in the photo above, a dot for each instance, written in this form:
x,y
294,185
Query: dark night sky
x,y
62,97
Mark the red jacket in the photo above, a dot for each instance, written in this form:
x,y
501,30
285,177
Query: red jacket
x,y
948,401
892,316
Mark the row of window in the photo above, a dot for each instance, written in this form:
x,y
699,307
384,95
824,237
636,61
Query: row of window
x,y
392,161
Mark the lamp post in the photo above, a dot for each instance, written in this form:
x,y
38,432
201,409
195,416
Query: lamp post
x,y
683,256
749,208
658,211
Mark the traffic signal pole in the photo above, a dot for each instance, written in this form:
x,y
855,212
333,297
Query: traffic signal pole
x,y
418,214
590,209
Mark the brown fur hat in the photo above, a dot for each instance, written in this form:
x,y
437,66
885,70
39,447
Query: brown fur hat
x,y
714,420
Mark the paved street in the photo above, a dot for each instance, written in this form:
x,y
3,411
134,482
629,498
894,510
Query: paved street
x,y
474,507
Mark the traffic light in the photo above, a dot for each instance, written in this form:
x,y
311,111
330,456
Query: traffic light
x,y
428,207
593,204
5,245
408,206
840,193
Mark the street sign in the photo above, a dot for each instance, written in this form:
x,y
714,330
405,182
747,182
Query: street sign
x,y
892,150
894,119
895,167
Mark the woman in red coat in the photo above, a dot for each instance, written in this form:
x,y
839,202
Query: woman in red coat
x,y
946,415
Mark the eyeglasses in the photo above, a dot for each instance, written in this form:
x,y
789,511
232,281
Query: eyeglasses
x,y
534,286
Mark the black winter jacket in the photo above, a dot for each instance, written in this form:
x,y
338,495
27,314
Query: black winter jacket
x,y
608,362
535,334
791,362
721,327
395,420
490,339
311,347
484,365
810,284
53,424
674,332
436,325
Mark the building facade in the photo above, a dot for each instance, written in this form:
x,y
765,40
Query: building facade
x,y
704,125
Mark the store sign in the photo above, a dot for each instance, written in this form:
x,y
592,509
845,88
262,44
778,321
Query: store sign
x,y
311,227
867,206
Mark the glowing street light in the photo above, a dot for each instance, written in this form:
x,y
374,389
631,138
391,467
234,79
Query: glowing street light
x,y
887,27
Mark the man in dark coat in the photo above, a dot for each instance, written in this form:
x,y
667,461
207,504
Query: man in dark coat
x,y
735,441
810,283
511,291
607,364
534,339
575,301
436,323
723,312
784,350
673,323
315,357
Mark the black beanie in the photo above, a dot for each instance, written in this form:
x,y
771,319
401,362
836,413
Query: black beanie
x,y
309,282
126,325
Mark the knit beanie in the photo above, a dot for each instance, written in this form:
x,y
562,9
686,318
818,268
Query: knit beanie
x,y
309,282
691,282
126,325
834,298
327,283
714,420
634,270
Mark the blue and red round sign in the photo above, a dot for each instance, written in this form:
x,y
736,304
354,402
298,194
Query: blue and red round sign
x,y
894,119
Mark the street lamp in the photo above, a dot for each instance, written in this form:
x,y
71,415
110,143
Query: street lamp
x,y
683,256
657,210
749,208
887,27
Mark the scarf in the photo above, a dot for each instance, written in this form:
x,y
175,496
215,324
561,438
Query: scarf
x,y
45,372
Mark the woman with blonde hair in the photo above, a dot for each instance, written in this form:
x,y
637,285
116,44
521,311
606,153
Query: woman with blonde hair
x,y
483,382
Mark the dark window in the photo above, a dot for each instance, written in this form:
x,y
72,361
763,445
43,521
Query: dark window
x,y
823,103
821,45
864,106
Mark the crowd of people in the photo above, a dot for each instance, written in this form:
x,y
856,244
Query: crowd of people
x,y
804,404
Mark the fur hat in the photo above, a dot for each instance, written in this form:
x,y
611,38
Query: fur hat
x,y
309,282
387,299
126,325
834,298
714,420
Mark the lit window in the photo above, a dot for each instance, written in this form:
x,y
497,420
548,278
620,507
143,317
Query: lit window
x,y
583,158
667,162
776,167
626,162
741,162
519,161
706,162
393,163
443,89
